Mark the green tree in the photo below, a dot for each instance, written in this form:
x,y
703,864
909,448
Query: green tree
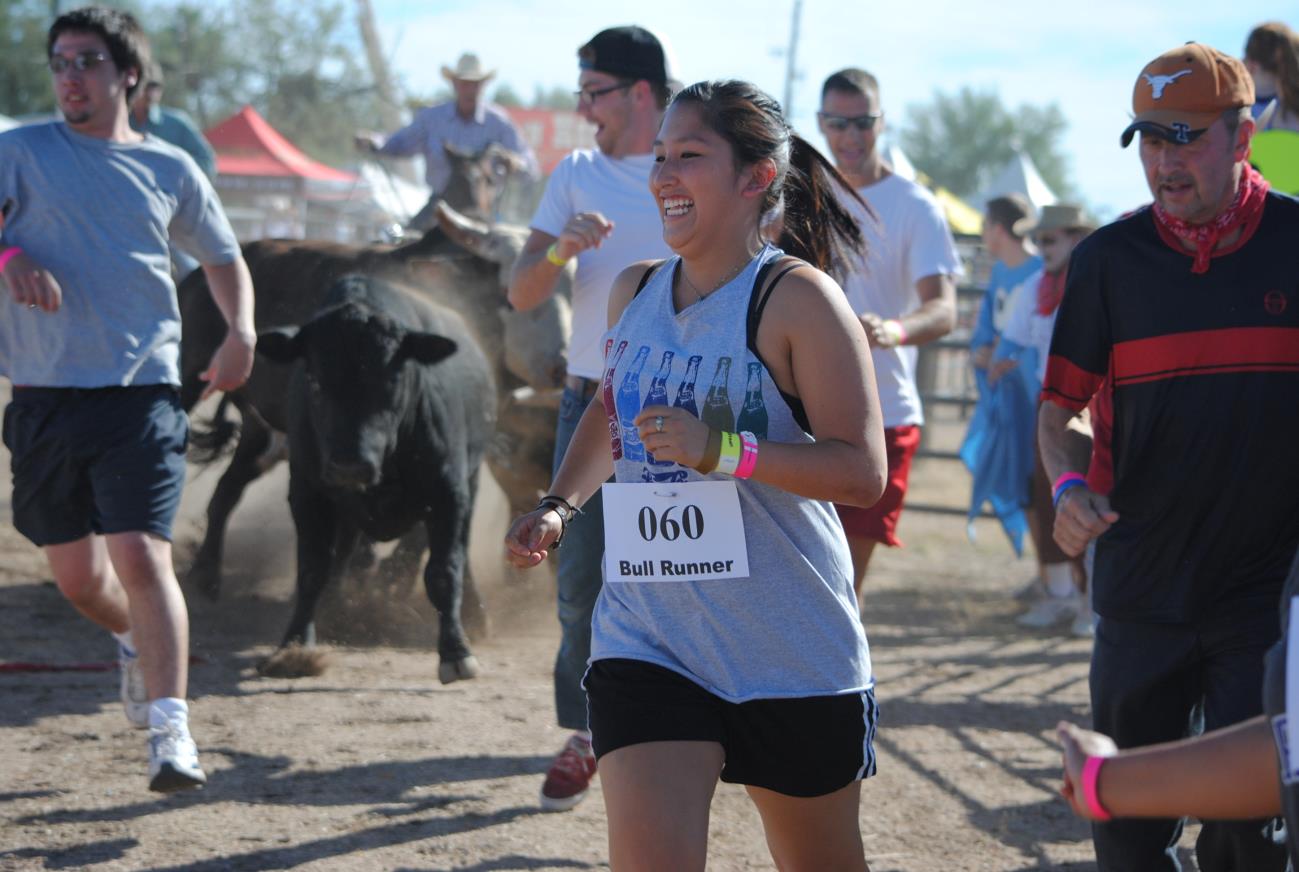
x,y
24,78
557,97
960,140
298,63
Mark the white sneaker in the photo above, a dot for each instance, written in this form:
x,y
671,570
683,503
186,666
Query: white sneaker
x,y
1083,626
1049,612
135,697
173,758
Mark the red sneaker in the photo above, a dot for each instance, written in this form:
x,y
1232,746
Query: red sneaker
x,y
569,777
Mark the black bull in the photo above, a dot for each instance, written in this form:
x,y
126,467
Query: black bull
x,y
389,409
291,277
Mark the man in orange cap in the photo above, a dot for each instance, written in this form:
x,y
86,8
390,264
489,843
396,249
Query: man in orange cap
x,y
1191,308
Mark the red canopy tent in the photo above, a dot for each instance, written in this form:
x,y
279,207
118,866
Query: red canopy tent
x,y
271,188
247,145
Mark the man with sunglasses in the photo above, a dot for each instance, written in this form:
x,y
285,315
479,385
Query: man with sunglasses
x,y
904,294
90,339
597,209
1189,309
466,122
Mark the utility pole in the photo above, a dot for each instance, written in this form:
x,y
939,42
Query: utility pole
x,y
791,61
385,90
390,111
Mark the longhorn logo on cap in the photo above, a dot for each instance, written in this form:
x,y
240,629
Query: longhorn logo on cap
x,y
1159,83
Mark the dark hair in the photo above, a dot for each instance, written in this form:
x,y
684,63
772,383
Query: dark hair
x,y
1275,48
817,227
851,80
120,31
1006,210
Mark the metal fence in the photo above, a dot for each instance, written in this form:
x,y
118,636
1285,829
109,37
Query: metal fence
x,y
943,373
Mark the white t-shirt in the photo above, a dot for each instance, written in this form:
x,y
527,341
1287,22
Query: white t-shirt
x,y
617,188
909,241
1024,326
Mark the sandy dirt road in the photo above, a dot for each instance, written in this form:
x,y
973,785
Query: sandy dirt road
x,y
375,766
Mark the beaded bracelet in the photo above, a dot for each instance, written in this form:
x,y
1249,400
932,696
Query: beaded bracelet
x,y
1091,775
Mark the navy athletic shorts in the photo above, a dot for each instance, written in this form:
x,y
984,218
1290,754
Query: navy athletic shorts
x,y
101,460
801,746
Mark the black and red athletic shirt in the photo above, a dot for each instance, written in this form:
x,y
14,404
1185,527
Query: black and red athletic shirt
x,y
1206,410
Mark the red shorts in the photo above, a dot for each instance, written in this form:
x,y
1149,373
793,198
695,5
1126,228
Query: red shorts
x,y
880,521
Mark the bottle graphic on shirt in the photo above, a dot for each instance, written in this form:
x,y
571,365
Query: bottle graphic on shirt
x,y
717,405
628,403
658,396
753,415
686,390
606,397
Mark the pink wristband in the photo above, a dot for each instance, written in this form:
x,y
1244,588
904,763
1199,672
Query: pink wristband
x,y
1066,481
748,455
7,255
1091,774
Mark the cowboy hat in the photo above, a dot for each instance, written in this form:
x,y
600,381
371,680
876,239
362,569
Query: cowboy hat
x,y
469,68
1060,216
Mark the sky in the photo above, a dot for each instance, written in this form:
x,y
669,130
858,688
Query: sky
x,y
1083,55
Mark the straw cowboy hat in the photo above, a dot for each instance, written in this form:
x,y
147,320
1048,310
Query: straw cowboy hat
x,y
469,68
1055,217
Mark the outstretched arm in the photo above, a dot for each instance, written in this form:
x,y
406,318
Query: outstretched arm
x,y
1229,774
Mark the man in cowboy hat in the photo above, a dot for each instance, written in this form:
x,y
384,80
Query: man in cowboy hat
x,y
1189,308
465,123
1026,338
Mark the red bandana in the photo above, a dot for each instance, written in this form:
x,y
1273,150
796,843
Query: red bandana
x,y
1248,203
1050,291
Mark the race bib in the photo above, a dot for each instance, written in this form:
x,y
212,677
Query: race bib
x,y
687,531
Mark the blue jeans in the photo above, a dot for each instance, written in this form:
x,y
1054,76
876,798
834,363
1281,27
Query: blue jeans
x,y
579,577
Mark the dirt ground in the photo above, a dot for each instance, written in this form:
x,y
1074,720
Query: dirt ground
x,y
376,766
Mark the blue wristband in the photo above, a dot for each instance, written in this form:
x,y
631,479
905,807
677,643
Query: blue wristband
x,y
1064,486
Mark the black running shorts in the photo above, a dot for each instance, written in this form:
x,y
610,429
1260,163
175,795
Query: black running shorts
x,y
803,746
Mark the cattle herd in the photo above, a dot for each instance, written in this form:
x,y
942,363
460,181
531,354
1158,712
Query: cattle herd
x,y
385,374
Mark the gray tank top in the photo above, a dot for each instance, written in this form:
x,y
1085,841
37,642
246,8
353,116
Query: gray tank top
x,y
791,628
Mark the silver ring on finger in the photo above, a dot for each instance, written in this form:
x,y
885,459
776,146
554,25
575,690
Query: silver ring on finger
x,y
658,423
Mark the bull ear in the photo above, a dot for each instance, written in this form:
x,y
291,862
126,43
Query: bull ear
x,y
281,345
426,347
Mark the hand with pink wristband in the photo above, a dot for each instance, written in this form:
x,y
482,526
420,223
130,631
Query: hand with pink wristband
x,y
29,284
1084,753
1083,517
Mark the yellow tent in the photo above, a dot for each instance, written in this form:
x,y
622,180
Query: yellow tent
x,y
963,218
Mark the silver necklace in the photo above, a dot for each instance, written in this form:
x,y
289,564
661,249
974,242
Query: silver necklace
x,y
732,274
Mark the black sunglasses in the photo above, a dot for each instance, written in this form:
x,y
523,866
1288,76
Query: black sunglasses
x,y
839,123
82,61
590,95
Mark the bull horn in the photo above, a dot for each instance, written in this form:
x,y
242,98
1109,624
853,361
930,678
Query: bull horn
x,y
462,229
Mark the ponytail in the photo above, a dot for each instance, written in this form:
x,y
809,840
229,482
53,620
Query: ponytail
x,y
817,227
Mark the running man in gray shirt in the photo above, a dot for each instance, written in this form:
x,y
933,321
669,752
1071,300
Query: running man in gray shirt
x,y
90,337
